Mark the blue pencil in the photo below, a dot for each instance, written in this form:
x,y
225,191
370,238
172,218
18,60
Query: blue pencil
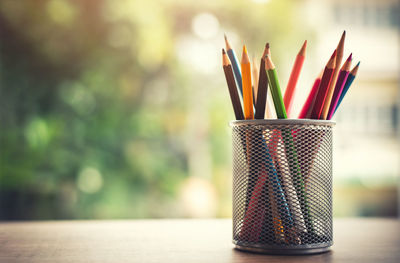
x,y
349,81
235,65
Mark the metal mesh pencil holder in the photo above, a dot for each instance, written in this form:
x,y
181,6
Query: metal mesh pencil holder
x,y
282,186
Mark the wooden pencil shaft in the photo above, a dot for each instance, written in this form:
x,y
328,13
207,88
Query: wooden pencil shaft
x,y
332,84
321,94
294,77
237,108
317,104
311,95
262,92
247,92
349,81
290,89
247,87
337,92
236,69
276,94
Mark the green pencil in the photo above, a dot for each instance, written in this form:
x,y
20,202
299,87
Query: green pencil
x,y
275,88
290,150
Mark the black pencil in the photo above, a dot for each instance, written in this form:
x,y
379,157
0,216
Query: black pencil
x,y
230,80
262,87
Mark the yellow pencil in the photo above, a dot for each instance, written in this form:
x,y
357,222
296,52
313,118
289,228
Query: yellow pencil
x,y
246,85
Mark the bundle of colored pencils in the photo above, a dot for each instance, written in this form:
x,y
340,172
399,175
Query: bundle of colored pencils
x,y
289,217
249,93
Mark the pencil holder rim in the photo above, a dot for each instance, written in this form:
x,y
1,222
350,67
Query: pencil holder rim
x,y
282,122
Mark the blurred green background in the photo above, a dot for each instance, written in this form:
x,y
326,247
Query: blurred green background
x,y
119,109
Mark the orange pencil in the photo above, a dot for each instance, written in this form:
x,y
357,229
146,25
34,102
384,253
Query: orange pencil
x,y
294,76
246,85
332,84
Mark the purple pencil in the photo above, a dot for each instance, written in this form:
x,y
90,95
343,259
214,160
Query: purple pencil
x,y
341,81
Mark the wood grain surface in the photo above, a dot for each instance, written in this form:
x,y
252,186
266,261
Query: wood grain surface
x,y
356,240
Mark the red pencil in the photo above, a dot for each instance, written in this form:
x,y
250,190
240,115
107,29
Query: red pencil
x,y
294,76
323,87
311,95
343,74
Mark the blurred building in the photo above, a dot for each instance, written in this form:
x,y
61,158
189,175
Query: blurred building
x,y
366,141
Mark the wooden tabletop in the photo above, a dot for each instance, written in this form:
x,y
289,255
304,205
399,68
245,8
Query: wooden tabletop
x,y
356,240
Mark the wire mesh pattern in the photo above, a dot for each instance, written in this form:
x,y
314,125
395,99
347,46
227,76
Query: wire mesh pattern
x,y
282,184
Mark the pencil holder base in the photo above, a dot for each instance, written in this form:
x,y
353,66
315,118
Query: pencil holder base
x,y
285,251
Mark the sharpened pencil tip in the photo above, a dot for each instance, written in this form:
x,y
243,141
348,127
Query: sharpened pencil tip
x,y
358,64
223,51
244,49
302,51
350,57
334,54
267,45
225,37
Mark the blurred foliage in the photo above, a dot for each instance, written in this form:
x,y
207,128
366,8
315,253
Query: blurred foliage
x,y
97,111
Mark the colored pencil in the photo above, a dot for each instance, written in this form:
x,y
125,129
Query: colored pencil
x,y
275,89
341,81
288,142
269,107
320,96
235,64
246,85
255,73
262,87
349,81
275,143
294,76
310,97
230,80
332,84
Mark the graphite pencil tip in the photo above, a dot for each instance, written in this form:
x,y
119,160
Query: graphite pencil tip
x,y
223,51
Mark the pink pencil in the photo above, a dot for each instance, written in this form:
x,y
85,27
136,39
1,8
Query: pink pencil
x,y
310,97
344,73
